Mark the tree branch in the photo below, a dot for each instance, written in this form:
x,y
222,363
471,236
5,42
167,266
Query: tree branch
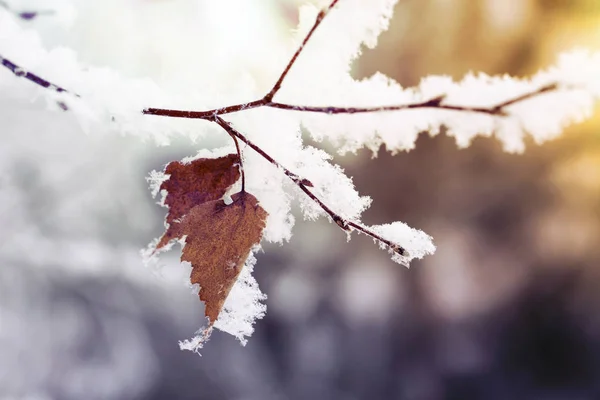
x,y
22,73
215,115
266,101
287,69
236,134
208,115
498,110
304,185
26,15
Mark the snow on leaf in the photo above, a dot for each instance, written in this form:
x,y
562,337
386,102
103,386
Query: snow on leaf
x,y
218,240
218,236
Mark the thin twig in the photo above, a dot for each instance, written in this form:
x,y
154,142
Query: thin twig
x,y
22,73
234,133
547,88
287,69
26,15
435,103
343,223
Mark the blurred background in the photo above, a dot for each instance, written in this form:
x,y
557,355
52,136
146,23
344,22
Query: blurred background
x,y
507,308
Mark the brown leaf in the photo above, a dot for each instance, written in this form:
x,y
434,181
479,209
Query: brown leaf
x,y
196,182
219,240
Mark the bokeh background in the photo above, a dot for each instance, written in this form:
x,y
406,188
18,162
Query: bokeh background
x,y
508,307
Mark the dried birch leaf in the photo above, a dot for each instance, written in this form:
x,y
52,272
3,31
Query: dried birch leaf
x,y
196,182
219,238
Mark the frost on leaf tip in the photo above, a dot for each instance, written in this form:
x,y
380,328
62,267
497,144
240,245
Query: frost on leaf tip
x,y
219,238
415,243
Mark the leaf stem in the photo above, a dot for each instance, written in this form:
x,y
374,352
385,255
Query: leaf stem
x,y
239,152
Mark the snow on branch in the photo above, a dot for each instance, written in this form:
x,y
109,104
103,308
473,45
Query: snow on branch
x,y
26,15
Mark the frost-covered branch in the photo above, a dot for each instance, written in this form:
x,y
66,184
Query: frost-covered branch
x,y
23,73
26,15
304,184
320,16
434,103
209,115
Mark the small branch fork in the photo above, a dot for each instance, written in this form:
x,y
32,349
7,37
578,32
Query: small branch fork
x,y
215,115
